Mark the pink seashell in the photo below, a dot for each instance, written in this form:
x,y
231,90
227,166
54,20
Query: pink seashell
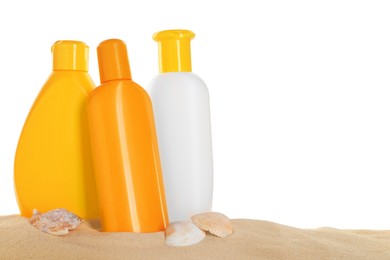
x,y
215,223
56,222
183,233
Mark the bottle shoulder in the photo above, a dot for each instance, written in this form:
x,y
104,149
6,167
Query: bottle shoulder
x,y
70,76
168,77
69,81
66,84
116,88
62,94
177,80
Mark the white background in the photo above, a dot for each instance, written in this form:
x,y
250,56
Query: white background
x,y
300,95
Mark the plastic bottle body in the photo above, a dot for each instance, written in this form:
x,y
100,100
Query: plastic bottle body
x,y
182,116
126,158
53,165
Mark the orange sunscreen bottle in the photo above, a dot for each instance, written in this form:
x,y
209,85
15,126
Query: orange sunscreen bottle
x,y
53,164
124,148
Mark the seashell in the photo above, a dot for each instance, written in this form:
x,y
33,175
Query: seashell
x,y
183,233
215,223
56,222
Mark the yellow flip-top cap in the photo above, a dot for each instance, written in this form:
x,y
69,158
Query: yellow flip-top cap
x,y
174,50
113,60
70,55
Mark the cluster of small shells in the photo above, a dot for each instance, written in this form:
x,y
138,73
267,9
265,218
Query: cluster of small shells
x,y
186,233
56,222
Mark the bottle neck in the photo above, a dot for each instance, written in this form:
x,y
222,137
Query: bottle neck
x,y
174,56
70,56
113,61
174,50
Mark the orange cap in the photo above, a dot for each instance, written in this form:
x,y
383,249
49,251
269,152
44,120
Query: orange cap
x,y
70,55
113,61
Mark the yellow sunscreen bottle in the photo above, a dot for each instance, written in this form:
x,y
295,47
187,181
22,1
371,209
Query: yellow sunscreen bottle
x,y
53,167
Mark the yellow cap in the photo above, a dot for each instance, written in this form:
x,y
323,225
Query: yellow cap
x,y
70,55
174,50
113,61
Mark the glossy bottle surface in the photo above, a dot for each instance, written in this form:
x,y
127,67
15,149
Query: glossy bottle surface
x,y
125,151
53,165
182,115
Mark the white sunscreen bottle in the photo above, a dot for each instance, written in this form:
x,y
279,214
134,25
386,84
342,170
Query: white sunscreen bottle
x,y
182,116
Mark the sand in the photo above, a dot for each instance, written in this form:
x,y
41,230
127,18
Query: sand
x,y
252,239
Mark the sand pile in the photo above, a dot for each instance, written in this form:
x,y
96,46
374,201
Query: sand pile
x,y
252,239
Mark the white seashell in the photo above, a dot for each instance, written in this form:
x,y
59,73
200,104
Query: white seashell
x,y
183,233
215,223
56,222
